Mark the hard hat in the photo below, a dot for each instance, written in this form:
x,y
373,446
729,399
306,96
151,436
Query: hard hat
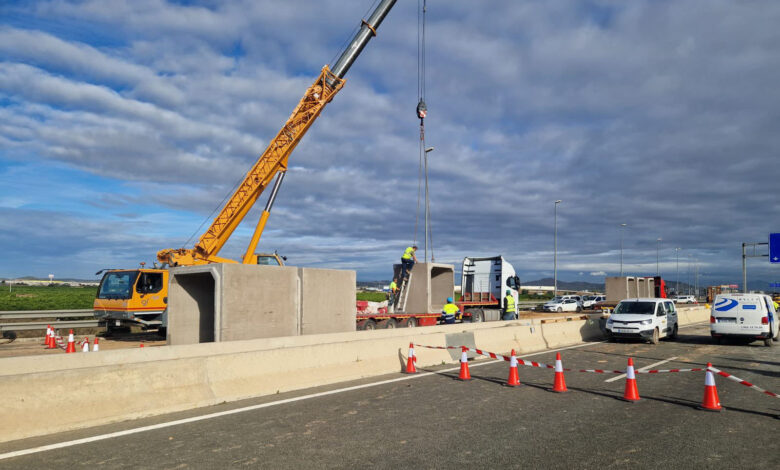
x,y
449,299
508,291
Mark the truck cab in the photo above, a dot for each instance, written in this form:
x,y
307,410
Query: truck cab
x,y
484,282
135,296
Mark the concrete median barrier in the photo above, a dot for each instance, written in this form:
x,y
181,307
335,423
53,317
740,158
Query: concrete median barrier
x,y
48,394
690,315
566,333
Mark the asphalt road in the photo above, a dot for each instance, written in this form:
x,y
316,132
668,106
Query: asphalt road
x,y
435,421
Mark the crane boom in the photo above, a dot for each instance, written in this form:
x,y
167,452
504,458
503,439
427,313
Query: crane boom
x,y
274,158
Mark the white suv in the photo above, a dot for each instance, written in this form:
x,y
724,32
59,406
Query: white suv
x,y
685,299
649,319
591,300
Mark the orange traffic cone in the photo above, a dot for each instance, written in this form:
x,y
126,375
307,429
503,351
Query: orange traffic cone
x,y
95,347
710,402
71,343
46,338
51,343
464,365
632,393
410,369
513,380
560,382
85,344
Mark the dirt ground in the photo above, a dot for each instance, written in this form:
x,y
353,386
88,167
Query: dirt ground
x,y
33,346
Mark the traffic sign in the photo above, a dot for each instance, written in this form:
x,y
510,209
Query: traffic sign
x,y
774,247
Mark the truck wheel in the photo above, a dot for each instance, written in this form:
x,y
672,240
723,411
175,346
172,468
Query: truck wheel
x,y
768,341
409,323
655,336
369,325
386,324
477,316
559,309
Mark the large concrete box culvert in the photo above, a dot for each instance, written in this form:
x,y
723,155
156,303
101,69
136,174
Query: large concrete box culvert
x,y
429,286
230,302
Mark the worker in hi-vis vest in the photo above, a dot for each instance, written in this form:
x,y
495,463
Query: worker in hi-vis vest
x,y
393,291
449,312
510,310
407,260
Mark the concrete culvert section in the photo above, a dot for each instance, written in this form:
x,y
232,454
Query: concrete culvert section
x,y
231,302
191,292
429,286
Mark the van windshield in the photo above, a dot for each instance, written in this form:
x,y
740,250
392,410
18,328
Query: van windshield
x,y
640,308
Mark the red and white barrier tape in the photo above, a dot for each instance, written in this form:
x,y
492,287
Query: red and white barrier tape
x,y
548,366
696,369
602,371
743,382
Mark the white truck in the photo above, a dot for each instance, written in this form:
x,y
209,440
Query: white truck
x,y
484,282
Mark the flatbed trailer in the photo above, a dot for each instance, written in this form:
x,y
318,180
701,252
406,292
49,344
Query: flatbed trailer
x,y
379,321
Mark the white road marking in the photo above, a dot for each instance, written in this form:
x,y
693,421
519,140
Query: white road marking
x,y
643,368
194,419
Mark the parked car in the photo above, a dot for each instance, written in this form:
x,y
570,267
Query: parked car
x,y
644,318
748,316
559,304
685,299
591,300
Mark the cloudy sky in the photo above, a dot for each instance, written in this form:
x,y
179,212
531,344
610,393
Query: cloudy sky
x,y
124,124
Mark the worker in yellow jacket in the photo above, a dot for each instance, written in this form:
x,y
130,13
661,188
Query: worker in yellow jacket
x,y
407,260
393,292
510,309
449,312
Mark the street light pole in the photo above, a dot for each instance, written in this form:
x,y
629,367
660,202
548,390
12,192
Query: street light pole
x,y
621,249
677,286
427,205
555,251
657,250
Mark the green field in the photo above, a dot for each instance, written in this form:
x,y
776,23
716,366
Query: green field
x,y
46,297
372,296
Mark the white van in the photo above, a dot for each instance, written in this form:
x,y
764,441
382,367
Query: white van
x,y
749,316
645,318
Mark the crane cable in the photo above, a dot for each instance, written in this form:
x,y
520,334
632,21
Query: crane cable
x,y
422,111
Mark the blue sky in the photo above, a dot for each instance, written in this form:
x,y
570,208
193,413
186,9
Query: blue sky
x,y
123,124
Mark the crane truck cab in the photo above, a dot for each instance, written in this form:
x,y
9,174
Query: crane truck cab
x,y
134,296
484,282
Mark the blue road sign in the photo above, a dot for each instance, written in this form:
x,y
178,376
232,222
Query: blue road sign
x,y
774,247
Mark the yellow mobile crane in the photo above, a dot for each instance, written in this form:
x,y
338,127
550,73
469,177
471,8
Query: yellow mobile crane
x,y
139,296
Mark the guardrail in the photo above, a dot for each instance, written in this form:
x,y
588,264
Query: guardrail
x,y
52,316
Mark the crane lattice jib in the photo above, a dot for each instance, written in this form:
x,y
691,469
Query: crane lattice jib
x,y
273,160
